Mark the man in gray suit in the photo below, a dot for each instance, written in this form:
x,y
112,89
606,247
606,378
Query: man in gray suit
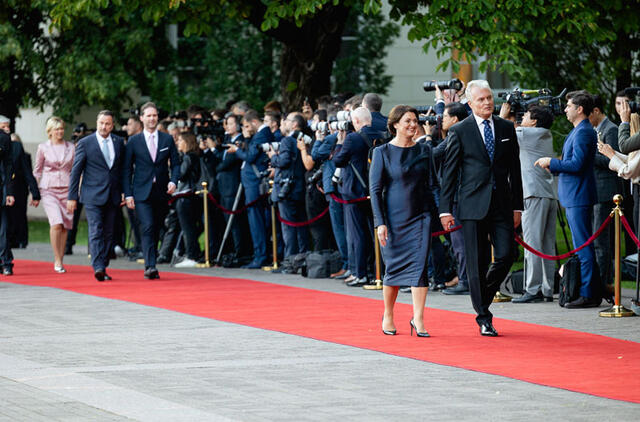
x,y
607,184
540,192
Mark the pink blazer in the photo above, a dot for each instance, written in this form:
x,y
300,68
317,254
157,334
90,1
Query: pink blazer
x,y
51,170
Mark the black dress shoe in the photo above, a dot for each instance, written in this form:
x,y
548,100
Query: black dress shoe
x,y
457,290
358,282
151,273
7,271
486,329
528,298
437,286
583,302
99,275
548,298
107,276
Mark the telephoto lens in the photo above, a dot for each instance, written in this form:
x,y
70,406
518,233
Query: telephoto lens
x,y
344,115
452,84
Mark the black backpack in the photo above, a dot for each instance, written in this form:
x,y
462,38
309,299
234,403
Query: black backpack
x,y
323,263
570,281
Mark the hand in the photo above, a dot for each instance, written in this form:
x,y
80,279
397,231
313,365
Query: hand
x,y
10,200
301,146
450,96
517,217
606,150
122,201
625,112
382,235
72,204
505,110
232,148
320,189
271,153
438,93
543,162
130,203
34,203
171,187
307,111
447,222
272,173
341,135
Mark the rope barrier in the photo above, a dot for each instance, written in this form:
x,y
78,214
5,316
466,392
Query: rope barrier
x,y
302,223
177,196
238,211
350,201
568,254
443,232
627,227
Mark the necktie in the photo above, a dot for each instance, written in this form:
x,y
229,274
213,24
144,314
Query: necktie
x,y
105,152
489,143
152,147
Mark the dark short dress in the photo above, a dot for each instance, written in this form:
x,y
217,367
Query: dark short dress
x,y
401,198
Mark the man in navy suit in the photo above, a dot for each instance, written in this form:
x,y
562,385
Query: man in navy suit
x,y
146,182
255,162
98,161
373,103
577,189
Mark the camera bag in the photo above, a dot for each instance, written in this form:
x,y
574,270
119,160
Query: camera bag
x,y
570,281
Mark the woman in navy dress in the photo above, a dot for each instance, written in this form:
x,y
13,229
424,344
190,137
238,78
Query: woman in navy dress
x,y
402,202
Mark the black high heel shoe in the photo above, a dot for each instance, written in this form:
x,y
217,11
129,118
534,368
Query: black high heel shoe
x,y
388,332
418,333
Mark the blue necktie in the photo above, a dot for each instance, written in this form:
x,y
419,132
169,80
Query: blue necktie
x,y
489,144
105,152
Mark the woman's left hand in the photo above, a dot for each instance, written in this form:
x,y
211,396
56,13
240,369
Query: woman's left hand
x,y
382,235
606,150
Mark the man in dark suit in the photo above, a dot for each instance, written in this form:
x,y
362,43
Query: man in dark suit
x,y
146,182
351,154
607,185
577,189
482,163
98,162
6,200
373,103
255,162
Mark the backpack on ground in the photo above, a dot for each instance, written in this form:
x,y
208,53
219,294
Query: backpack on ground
x,y
570,281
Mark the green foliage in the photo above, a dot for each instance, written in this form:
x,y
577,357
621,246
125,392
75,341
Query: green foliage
x,y
361,68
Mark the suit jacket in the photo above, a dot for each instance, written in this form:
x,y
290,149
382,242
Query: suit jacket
x,y
288,163
100,184
379,122
628,143
354,153
22,172
227,171
139,170
50,170
321,152
536,142
469,170
6,167
577,182
607,182
254,156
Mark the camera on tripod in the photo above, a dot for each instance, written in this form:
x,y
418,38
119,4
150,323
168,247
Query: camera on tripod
x,y
451,84
521,100
633,92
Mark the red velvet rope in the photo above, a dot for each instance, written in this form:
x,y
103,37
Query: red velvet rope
x,y
178,196
350,201
239,211
568,254
443,232
627,227
302,223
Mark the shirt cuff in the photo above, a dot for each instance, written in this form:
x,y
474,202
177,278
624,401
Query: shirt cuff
x,y
445,214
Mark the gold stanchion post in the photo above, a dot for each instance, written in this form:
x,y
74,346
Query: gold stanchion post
x,y
274,241
205,200
617,310
378,285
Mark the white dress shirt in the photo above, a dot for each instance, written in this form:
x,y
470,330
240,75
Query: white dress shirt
x,y
147,136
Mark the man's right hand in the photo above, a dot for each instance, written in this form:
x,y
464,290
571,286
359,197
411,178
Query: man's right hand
x,y
72,204
447,222
130,203
505,110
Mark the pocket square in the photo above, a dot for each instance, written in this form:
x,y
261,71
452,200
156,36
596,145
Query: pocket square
x,y
164,149
505,140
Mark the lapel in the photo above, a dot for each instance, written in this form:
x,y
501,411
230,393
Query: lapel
x,y
497,138
117,150
97,145
476,133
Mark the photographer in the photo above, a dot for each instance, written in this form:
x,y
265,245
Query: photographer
x,y
540,195
252,176
373,103
272,119
352,156
289,185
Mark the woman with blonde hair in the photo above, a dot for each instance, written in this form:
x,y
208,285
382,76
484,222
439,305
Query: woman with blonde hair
x,y
54,160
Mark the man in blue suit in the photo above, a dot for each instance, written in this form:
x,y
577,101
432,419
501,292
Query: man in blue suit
x,y
146,182
577,189
373,103
98,161
255,162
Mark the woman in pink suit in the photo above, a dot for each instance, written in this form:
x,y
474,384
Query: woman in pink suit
x,y
54,160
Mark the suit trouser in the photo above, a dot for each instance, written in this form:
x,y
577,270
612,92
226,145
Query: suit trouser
x,y
485,277
258,223
236,232
188,214
603,245
6,256
295,239
457,244
101,220
579,219
151,213
539,230
18,230
336,211
357,219
71,235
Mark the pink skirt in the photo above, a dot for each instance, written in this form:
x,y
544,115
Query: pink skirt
x,y
54,201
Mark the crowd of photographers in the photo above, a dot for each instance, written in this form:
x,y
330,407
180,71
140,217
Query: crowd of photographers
x,y
312,166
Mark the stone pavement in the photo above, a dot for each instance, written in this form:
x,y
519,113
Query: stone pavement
x,y
65,356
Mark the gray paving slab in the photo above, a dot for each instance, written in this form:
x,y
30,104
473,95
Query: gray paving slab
x,y
67,356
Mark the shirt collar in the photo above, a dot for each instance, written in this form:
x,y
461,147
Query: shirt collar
x,y
599,127
147,134
100,138
480,120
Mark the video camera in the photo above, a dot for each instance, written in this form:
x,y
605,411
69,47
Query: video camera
x,y
633,92
205,127
452,84
521,100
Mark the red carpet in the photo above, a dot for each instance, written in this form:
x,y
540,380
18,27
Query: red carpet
x,y
555,357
